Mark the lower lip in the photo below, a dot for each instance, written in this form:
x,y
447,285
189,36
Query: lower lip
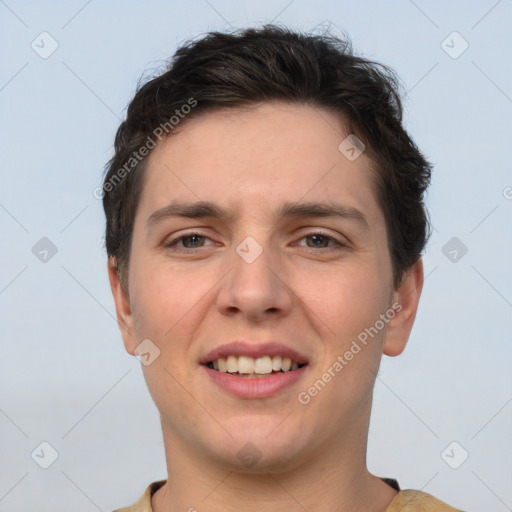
x,y
263,387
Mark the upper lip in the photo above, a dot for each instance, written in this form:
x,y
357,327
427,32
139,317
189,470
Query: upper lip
x,y
254,350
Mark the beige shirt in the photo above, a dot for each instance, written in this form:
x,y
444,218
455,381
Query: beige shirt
x,y
405,501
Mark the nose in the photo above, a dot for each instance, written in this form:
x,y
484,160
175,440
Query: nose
x,y
256,289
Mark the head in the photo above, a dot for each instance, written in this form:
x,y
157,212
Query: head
x,y
255,123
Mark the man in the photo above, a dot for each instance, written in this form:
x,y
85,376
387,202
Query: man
x,y
265,224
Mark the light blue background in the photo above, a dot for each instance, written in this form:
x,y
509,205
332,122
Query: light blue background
x,y
64,375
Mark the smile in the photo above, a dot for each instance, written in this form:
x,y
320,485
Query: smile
x,y
254,369
250,367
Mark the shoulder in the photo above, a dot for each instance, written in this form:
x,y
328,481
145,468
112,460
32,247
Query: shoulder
x,y
144,502
417,501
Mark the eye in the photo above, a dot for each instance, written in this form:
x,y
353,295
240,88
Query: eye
x,y
190,241
320,240
196,240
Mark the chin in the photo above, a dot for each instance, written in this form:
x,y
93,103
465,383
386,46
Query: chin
x,y
262,447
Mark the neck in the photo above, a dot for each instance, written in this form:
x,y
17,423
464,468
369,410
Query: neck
x,y
333,479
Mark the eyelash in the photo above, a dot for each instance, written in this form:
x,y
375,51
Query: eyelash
x,y
173,242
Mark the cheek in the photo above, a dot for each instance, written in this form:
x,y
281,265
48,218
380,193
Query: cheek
x,y
166,304
158,294
348,304
346,300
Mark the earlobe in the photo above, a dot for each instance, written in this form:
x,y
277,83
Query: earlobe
x,y
123,308
408,296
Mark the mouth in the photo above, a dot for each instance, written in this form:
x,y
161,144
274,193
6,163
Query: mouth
x,y
254,368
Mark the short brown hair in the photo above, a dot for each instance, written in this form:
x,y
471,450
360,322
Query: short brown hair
x,y
250,66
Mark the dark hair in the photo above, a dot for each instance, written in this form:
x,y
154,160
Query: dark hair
x,y
250,66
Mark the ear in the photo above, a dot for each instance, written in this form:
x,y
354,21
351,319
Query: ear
x,y
123,308
408,296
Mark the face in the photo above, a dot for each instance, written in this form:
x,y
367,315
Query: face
x,y
258,280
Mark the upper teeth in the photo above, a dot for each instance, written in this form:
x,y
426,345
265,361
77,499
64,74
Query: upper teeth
x,y
260,365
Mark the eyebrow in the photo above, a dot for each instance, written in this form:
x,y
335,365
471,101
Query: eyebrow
x,y
208,209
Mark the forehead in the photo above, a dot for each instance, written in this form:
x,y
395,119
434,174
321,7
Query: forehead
x,y
256,159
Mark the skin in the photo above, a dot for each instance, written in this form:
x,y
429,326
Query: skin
x,y
308,296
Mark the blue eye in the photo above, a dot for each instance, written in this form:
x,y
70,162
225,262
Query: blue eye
x,y
196,240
